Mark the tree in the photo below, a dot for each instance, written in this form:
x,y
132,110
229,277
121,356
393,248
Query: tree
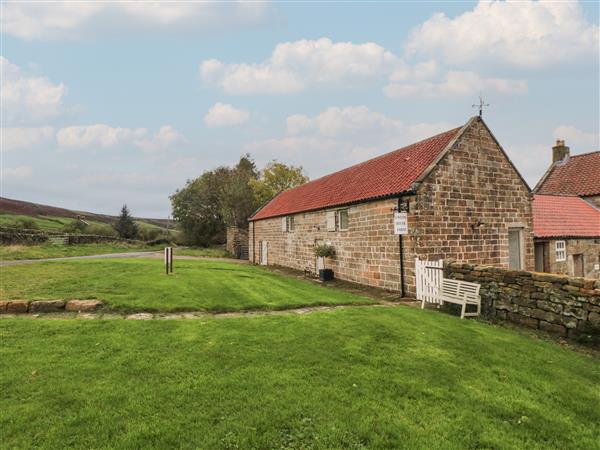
x,y
236,199
125,225
197,209
275,178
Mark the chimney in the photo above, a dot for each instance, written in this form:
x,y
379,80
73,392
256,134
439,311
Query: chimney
x,y
560,151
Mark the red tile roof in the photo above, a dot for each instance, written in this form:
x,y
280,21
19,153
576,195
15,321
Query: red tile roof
x,y
578,175
564,216
386,175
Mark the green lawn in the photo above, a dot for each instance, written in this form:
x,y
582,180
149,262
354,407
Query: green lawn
x,y
141,285
367,378
14,252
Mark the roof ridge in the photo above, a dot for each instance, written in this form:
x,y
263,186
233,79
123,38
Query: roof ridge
x,y
584,154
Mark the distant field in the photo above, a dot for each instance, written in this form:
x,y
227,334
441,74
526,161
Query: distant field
x,y
16,252
45,223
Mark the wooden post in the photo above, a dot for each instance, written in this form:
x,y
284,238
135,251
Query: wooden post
x,y
168,260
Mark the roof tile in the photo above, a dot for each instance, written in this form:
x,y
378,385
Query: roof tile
x,y
564,216
577,175
389,174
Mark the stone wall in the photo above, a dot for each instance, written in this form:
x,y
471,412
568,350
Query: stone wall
x,y
588,248
554,303
237,242
366,253
474,184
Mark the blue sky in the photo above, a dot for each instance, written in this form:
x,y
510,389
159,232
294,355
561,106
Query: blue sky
x,y
107,103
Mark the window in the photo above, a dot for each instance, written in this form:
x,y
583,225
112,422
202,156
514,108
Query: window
x,y
337,220
287,224
561,251
343,219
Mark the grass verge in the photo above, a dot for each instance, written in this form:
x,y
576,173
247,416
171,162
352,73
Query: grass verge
x,y
141,285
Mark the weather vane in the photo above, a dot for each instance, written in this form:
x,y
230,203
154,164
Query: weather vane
x,y
481,105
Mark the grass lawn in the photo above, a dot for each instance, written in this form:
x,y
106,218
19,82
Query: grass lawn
x,y
212,252
45,223
14,252
367,378
141,285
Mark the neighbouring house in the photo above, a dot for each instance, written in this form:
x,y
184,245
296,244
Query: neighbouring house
x,y
572,175
566,213
567,236
463,199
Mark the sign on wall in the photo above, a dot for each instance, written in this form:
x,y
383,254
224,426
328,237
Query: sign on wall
x,y
400,223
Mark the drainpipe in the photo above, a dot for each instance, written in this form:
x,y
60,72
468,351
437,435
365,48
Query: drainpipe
x,y
402,206
253,242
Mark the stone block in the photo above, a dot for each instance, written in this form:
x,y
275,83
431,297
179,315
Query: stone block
x,y
594,318
17,306
549,306
83,305
578,313
553,328
527,321
46,306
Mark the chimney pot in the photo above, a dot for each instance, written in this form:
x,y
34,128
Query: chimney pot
x,y
560,151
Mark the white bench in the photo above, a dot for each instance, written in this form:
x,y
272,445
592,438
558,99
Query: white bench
x,y
462,293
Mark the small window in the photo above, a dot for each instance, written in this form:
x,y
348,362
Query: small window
x,y
290,223
561,251
343,219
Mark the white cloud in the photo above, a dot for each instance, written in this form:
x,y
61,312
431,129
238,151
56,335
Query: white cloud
x,y
27,98
16,138
575,136
16,173
338,137
524,33
221,114
455,84
293,66
66,19
105,136
166,137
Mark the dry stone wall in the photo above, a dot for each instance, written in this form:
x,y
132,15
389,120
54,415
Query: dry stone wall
x,y
554,303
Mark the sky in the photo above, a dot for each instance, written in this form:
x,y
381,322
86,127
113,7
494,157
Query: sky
x,y
108,103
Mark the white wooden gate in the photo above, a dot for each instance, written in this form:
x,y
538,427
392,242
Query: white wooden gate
x,y
429,276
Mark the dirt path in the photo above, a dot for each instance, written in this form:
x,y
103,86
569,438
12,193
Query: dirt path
x,y
203,314
151,254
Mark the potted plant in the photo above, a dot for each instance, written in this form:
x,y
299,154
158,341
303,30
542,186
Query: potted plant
x,y
325,251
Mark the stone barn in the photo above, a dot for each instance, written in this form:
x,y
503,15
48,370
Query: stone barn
x,y
459,193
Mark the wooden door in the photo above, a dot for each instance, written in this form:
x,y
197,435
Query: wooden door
x,y
264,253
578,265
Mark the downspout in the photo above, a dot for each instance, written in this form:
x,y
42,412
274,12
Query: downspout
x,y
401,207
253,242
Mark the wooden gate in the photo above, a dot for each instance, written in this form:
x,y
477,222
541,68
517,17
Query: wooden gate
x,y
429,276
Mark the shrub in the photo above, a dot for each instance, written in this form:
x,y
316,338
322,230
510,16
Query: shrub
x,y
27,224
324,251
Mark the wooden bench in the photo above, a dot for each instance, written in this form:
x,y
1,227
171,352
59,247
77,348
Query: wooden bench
x,y
462,293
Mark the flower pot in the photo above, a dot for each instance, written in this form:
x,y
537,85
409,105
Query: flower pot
x,y
326,274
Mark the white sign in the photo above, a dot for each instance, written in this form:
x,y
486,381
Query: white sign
x,y
400,223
